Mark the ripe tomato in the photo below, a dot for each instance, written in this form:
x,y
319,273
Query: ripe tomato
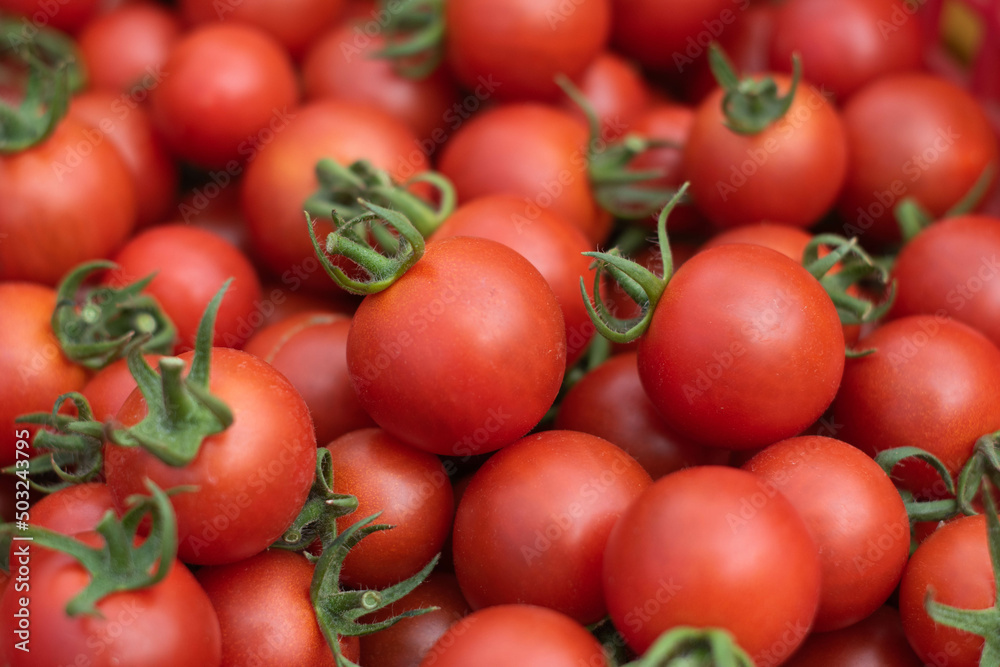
x,y
66,200
464,353
190,265
950,268
954,563
932,383
35,368
252,478
745,348
713,547
532,151
789,173
516,634
67,16
229,91
856,517
541,506
910,135
265,612
877,641
552,37
73,509
615,89
107,389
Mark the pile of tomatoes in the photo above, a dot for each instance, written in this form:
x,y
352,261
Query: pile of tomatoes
x,y
487,332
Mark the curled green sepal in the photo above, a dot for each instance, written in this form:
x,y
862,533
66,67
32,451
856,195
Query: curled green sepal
x,y
694,647
337,610
318,518
921,510
984,463
414,36
348,242
95,330
642,285
751,105
982,622
45,102
119,565
624,193
26,40
856,266
181,412
341,188
72,447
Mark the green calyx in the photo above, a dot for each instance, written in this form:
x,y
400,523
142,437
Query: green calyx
x,y
751,105
856,266
95,329
913,218
181,412
73,447
348,242
642,285
694,647
119,565
46,100
341,189
338,611
414,35
318,518
622,192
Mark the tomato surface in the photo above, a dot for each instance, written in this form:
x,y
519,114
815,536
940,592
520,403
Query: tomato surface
x,y
877,641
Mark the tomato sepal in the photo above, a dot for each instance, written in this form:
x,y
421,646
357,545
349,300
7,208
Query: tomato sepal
x,y
751,105
856,266
45,103
414,37
694,647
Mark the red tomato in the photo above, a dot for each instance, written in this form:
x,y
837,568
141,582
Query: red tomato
x,y
35,368
846,44
518,634
609,402
228,94
190,265
265,612
789,173
910,135
713,547
283,176
124,49
855,515
534,521
950,268
130,131
67,16
745,348
73,509
615,89
552,244
464,353
409,487
932,383
67,200
877,641
532,151
107,389
168,624
252,478
954,563
310,349
551,37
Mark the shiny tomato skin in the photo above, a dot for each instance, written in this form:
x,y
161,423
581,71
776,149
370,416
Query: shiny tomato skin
x,y
518,634
541,506
551,38
61,208
789,173
265,613
616,89
910,135
73,509
950,268
707,547
877,641
464,353
954,562
283,176
171,623
856,517
744,349
253,478
551,243
411,490
932,383
609,402
191,265
231,89
107,389
533,151
35,368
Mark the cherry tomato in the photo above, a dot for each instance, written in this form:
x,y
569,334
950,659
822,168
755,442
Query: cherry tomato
x,y
877,641
107,389
615,89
